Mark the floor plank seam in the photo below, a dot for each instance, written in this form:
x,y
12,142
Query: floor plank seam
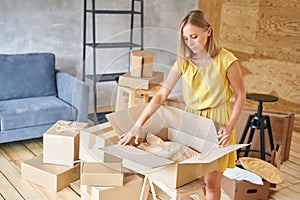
x,y
12,185
28,149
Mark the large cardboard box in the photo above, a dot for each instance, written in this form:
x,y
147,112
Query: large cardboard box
x,y
130,190
101,174
175,125
92,138
128,80
282,129
61,143
141,63
52,177
245,190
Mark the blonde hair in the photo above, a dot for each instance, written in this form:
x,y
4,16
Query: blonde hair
x,y
199,19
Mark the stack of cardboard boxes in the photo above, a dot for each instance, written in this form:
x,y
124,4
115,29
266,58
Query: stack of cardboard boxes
x,y
103,175
65,160
141,74
58,166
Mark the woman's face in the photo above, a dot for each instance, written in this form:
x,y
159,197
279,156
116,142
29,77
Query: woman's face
x,y
195,37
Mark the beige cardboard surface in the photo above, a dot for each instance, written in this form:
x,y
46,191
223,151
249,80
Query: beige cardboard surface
x,y
128,80
141,63
52,177
245,190
61,143
101,174
282,129
85,192
92,138
130,190
182,127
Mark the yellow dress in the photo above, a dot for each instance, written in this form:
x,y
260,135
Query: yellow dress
x,y
206,91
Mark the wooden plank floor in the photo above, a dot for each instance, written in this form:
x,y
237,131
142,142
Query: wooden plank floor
x,y
13,187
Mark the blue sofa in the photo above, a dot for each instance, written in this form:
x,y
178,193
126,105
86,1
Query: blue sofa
x,y
34,95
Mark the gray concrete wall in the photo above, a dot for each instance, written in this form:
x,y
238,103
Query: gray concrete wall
x,y
57,25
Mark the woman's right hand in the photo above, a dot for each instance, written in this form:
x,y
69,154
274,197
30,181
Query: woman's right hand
x,y
135,132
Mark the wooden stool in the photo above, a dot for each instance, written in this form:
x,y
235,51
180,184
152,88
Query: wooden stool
x,y
132,92
194,187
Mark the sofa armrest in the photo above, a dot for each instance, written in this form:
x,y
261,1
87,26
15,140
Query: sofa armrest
x,y
75,92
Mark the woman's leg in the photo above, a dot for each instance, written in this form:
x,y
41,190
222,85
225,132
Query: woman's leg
x,y
213,185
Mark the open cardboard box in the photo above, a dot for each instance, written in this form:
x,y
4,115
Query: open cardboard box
x,y
175,125
245,190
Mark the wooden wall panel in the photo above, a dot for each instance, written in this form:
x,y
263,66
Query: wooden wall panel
x,y
212,8
238,28
279,30
264,34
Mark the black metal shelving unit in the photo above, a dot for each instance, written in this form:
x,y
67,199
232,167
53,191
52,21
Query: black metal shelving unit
x,y
96,45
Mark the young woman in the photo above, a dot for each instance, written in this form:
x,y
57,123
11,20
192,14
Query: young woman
x,y
211,76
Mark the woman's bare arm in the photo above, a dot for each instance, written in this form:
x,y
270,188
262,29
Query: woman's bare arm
x,y
235,77
158,99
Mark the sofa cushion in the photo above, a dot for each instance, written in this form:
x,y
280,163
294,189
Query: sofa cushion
x,y
27,112
27,75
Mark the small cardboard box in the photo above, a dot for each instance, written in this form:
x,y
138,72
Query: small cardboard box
x,y
175,125
101,174
92,138
245,190
61,143
52,177
128,80
130,190
141,63
282,129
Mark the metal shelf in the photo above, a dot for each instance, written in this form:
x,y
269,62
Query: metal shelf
x,y
105,77
113,12
97,45
113,45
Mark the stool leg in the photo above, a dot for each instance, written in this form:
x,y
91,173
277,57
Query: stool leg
x,y
146,98
119,99
152,190
145,189
245,131
250,138
262,138
270,133
131,99
248,125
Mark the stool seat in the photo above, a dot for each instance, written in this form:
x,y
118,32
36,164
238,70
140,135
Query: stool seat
x,y
261,97
260,122
132,92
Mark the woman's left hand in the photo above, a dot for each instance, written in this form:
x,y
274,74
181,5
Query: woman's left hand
x,y
224,135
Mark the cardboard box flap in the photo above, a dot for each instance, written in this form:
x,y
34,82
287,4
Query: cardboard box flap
x,y
122,121
199,144
135,155
190,123
214,154
165,116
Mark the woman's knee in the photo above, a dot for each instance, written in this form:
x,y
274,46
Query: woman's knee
x,y
213,180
